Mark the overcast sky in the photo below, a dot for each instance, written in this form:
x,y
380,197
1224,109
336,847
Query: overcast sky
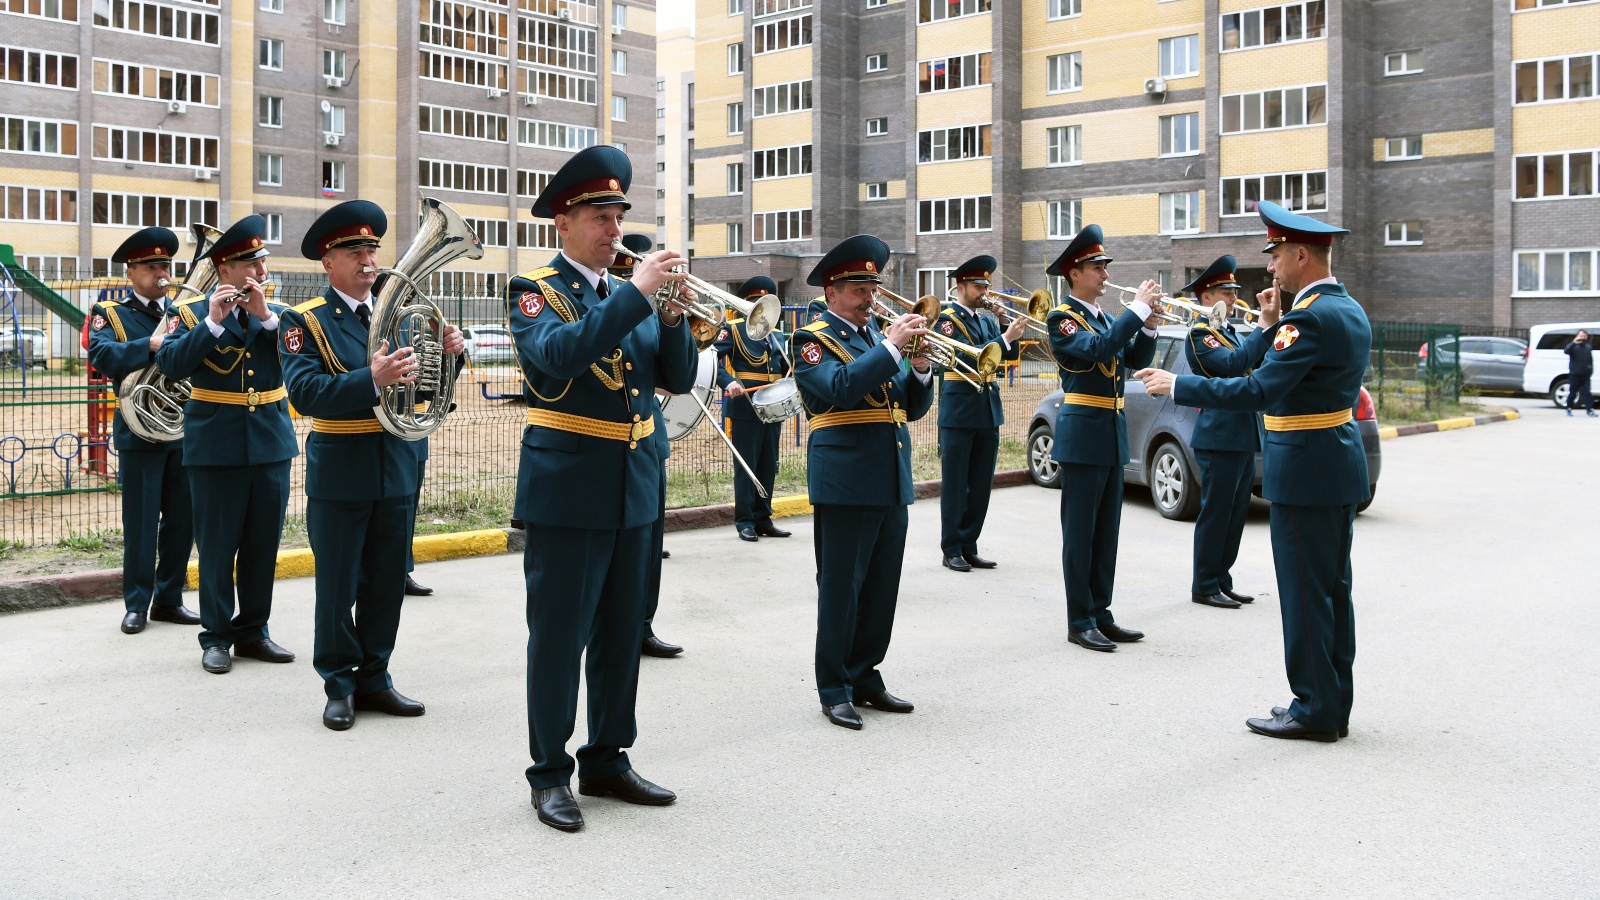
x,y
672,14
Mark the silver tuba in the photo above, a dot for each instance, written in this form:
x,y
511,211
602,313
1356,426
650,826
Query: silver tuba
x,y
150,402
404,315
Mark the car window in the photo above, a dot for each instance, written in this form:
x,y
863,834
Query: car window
x,y
1555,340
1476,345
1445,345
1502,347
1168,353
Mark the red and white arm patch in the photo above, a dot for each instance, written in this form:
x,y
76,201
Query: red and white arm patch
x,y
1286,337
172,325
1069,327
293,339
531,303
98,323
811,353
1212,342
949,328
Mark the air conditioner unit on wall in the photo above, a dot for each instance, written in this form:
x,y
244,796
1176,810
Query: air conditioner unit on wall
x,y
1155,87
202,174
564,13
330,139
530,99
177,106
495,93
616,29
334,81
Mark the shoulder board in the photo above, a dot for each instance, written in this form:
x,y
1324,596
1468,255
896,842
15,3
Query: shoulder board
x,y
816,327
1310,298
1063,308
309,305
109,304
541,272
193,300
277,304
1199,328
733,320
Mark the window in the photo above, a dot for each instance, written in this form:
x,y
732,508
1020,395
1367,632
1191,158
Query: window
x,y
1064,72
878,62
1565,78
736,58
555,44
269,54
558,86
619,109
269,112
661,112
661,86
454,176
47,136
1295,191
272,6
1065,9
619,62
787,225
943,144
1274,25
139,210
490,232
1541,176
333,11
660,166
772,7
145,82
777,99
782,162
333,120
782,34
619,17
1064,145
269,170
878,127
735,178
1065,218
461,123
555,135
531,183
1286,108
1531,4
874,4
332,176
473,72
36,67
1180,56
735,7
735,237
30,204
157,148
1556,272
1402,234
937,10
736,118
1180,134
333,64
953,214
274,227
1402,62
156,19
1409,147
878,190
1180,212
953,73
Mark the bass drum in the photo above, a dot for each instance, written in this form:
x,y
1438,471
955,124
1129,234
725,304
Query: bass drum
x,y
681,412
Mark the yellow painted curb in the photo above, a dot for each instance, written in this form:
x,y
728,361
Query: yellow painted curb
x,y
792,505
1388,431
1458,422
299,562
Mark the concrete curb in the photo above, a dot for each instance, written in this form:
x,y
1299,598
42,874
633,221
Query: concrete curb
x,y
1394,431
50,591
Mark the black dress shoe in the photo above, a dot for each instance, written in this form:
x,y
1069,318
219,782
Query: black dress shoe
x,y
1283,726
519,525
629,788
1217,600
558,808
416,590
177,615
843,715
389,701
886,702
339,714
666,554
1237,597
1119,634
957,564
264,650
1344,730
654,646
771,530
748,533
1091,639
133,623
216,660
978,562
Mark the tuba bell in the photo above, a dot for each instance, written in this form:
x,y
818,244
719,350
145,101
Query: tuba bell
x,y
151,403
405,316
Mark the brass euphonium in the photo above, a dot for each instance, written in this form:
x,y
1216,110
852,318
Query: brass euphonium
x,y
151,403
405,316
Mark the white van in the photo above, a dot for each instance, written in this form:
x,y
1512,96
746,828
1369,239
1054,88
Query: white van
x,y
1546,371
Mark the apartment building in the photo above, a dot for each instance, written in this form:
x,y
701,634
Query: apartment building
x,y
127,113
1450,137
675,55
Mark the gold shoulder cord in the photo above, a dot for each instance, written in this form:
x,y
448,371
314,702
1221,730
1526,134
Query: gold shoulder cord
x,y
838,350
1109,371
959,324
116,323
745,351
330,361
557,302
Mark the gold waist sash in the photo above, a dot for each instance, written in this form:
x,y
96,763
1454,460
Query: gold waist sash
x,y
1310,422
599,428
238,398
1092,400
756,376
859,417
346,426
956,376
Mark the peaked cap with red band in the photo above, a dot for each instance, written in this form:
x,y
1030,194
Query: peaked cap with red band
x,y
857,258
976,270
1087,246
1284,227
246,239
153,244
758,286
353,223
1220,274
596,176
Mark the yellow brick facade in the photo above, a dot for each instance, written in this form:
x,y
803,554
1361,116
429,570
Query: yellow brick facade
x,y
1284,65
1555,31
241,121
965,178
45,178
378,106
780,193
1286,150
1554,126
711,175
712,240
714,88
946,109
1445,143
1128,214
1119,43
779,67
781,131
1111,136
953,37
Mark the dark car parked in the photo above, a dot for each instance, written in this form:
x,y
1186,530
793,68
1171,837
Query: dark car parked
x,y
1159,432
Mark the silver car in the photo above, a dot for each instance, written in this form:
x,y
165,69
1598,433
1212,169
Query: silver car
x,y
1487,363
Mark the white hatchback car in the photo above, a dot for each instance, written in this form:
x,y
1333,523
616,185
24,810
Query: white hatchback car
x,y
1546,371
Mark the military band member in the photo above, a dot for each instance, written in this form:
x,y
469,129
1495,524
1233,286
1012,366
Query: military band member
x,y
1093,351
858,399
743,366
1225,442
970,419
237,443
815,308
592,351
157,523
1316,467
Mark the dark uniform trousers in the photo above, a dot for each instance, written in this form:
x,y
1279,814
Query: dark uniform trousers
x,y
157,515
237,453
753,364
590,501
658,532
1315,477
969,435
1093,355
1225,444
859,479
757,442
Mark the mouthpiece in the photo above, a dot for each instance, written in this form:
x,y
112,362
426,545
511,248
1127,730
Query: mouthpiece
x,y
162,283
368,270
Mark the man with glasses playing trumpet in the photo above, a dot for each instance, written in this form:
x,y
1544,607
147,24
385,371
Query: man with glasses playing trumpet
x,y
970,416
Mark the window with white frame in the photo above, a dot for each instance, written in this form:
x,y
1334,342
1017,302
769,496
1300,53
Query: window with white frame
x,y
1179,56
1542,176
1065,218
490,232
1556,271
878,190
735,178
1299,192
781,34
945,144
532,182
782,162
456,176
269,54
172,22
269,112
735,237
333,120
269,170
541,235
773,7
933,281
939,10
555,135
274,227
878,127
20,203
1549,80
619,109
952,73
619,17
1180,134
333,11
619,62
1275,24
1402,62
137,210
736,58
877,62
1521,5
736,118
272,6
1405,147
783,225
777,99
129,145
59,70
453,121
1064,72
333,64
333,175
1294,107
735,7
1063,145
1180,212
951,214
874,4
112,77
1402,234
1064,9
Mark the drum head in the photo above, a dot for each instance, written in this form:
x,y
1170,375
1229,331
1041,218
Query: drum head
x,y
681,414
705,375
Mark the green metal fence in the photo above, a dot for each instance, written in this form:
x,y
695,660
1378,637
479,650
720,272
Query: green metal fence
x,y
1405,360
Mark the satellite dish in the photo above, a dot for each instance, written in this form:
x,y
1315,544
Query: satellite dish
x,y
326,106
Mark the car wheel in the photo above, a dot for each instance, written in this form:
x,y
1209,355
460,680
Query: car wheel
x,y
1372,494
1558,393
1172,485
1044,471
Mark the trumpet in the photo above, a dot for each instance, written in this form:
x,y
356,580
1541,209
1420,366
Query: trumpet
x,y
761,316
940,349
1039,304
1178,311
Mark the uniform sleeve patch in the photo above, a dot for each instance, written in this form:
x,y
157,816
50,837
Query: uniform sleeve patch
x,y
531,303
98,323
1212,342
1286,337
811,353
1069,327
172,325
949,328
722,335
816,316
293,339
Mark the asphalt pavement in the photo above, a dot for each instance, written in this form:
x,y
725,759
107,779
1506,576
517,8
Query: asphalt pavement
x,y
1031,768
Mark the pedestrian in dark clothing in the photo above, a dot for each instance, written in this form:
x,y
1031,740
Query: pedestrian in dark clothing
x,y
1580,368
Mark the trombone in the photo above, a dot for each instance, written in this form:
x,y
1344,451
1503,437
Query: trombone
x,y
1040,302
761,316
940,349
